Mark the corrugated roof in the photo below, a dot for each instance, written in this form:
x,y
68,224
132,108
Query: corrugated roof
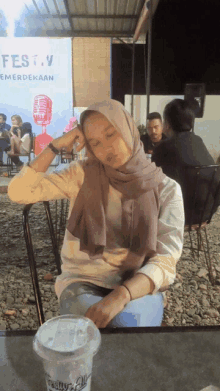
x,y
71,18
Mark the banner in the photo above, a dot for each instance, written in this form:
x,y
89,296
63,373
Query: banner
x,y
36,83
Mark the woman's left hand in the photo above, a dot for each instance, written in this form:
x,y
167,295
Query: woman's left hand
x,y
105,310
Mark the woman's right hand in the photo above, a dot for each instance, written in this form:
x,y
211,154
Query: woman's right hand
x,y
11,131
14,127
67,141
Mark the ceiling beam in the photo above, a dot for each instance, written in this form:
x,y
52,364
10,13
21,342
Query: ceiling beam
x,y
142,24
124,43
74,16
142,20
68,14
87,33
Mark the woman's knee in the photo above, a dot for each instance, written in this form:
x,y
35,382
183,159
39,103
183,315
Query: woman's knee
x,y
146,311
78,305
70,305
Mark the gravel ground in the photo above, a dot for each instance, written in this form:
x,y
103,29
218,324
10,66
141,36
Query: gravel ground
x,y
191,300
17,308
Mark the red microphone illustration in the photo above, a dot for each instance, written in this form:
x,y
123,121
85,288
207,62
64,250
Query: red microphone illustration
x,y
42,114
71,125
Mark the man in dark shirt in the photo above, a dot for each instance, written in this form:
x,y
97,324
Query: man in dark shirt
x,y
4,135
184,148
154,134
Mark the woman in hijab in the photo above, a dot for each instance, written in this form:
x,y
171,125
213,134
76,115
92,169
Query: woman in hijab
x,y
125,228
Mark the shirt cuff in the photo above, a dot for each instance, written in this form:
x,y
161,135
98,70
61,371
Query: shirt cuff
x,y
155,274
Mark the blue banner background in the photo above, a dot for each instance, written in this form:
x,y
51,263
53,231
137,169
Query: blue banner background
x,y
34,66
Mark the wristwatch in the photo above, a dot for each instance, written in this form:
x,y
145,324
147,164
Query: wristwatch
x,y
55,150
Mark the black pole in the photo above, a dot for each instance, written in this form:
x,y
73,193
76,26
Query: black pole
x,y
149,5
132,80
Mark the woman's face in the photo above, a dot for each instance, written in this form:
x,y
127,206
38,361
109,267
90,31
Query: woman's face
x,y
15,122
105,141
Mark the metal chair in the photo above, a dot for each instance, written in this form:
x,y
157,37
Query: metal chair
x,y
31,258
60,220
197,181
67,157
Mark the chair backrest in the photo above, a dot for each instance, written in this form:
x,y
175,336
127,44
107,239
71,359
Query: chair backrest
x,y
33,136
201,192
32,141
31,255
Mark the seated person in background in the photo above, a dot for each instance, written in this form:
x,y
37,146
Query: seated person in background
x,y
16,124
4,135
20,139
126,219
183,148
154,134
3,125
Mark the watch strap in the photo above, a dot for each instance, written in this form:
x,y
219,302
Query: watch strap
x,y
55,150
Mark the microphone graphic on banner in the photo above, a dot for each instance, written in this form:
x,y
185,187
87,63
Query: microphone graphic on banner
x,y
42,114
73,121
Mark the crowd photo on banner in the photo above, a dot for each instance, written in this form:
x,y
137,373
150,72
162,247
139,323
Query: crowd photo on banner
x,y
32,114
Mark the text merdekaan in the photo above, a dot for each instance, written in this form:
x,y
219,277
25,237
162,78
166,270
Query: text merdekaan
x,y
26,77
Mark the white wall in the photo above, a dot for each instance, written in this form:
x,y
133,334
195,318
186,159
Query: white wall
x,y
208,127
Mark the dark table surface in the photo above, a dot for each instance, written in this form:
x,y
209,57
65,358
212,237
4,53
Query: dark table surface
x,y
137,359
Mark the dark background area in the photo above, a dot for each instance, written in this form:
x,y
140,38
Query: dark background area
x,y
185,49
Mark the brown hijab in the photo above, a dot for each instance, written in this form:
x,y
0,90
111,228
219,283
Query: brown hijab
x,y
137,180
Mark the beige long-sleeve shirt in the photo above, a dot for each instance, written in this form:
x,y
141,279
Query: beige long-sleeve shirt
x,y
117,263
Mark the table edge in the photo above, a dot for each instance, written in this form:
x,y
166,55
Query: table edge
x,y
126,330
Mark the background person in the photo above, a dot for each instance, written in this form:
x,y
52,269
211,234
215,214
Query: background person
x,y
154,134
16,121
125,228
184,148
3,125
4,135
20,139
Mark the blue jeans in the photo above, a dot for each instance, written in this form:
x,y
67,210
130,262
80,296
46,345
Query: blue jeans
x,y
143,312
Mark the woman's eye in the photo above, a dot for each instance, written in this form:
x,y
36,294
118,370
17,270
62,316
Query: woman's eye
x,y
110,134
95,144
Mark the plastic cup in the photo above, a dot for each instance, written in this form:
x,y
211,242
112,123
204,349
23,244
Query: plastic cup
x,y
66,344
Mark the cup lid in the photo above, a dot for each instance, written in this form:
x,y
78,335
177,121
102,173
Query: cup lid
x,y
67,336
